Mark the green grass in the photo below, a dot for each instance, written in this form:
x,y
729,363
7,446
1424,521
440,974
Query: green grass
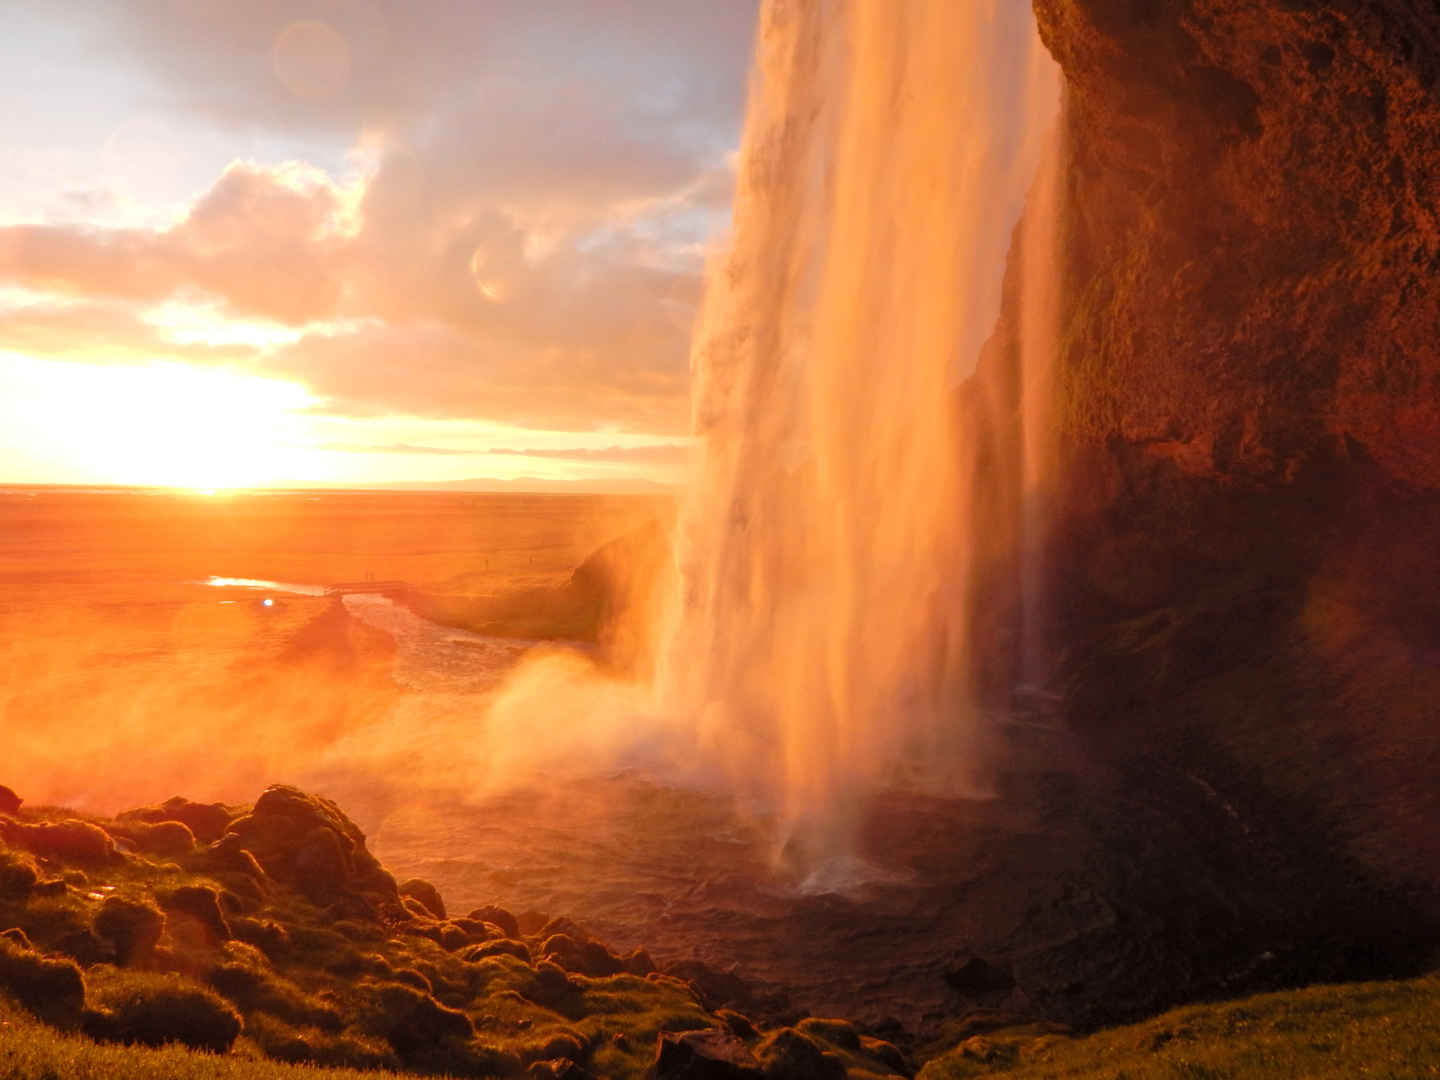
x,y
29,1050
1388,1030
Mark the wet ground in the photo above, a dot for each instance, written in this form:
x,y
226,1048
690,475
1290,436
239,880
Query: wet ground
x,y
1104,894
693,875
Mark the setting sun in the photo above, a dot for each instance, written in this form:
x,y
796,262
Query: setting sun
x,y
161,424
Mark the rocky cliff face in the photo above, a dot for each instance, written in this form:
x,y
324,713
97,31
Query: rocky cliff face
x,y
1255,236
1245,590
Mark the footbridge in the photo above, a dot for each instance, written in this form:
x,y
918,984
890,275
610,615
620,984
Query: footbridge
x,y
349,588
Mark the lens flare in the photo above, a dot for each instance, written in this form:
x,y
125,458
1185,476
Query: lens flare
x,y
312,61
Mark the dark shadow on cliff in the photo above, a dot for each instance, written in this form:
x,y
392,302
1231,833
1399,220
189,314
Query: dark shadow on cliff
x,y
1244,619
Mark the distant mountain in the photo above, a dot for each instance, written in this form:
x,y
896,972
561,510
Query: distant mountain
x,y
532,484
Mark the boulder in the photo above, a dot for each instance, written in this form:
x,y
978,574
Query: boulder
x,y
703,1055
549,987
479,931
161,838
18,874
737,1024
638,962
789,1055
132,927
68,841
839,1033
568,927
427,895
716,989
206,821
500,917
321,858
498,947
306,842
888,1053
979,1048
412,977
228,856
49,987
158,1009
253,989
9,801
590,958
453,938
198,907
412,1021
558,1069
270,937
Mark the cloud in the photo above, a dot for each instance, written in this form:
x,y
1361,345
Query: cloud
x,y
102,331
411,313
662,454
262,240
519,237
393,448
394,63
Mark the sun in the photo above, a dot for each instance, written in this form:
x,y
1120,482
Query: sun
x,y
166,424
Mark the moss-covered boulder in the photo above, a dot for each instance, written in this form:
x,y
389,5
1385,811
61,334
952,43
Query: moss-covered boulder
x,y
132,927
207,822
71,840
704,1055
154,1009
50,987
306,842
789,1054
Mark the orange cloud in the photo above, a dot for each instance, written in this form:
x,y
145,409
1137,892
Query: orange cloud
x,y
258,240
662,454
416,313
520,239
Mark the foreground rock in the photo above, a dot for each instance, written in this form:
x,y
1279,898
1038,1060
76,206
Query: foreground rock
x,y
284,936
704,1055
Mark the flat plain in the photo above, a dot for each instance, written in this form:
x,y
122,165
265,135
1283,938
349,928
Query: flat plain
x,y
124,679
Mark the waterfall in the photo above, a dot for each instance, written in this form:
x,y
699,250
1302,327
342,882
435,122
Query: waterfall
x,y
828,556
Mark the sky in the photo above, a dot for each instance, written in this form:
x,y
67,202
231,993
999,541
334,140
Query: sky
x,y
244,242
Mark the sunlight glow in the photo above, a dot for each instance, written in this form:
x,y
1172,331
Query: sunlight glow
x,y
188,323
163,424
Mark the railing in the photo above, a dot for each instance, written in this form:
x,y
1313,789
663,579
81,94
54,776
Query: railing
x,y
346,588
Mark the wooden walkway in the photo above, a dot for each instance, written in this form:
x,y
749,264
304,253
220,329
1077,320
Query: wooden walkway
x,y
347,588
